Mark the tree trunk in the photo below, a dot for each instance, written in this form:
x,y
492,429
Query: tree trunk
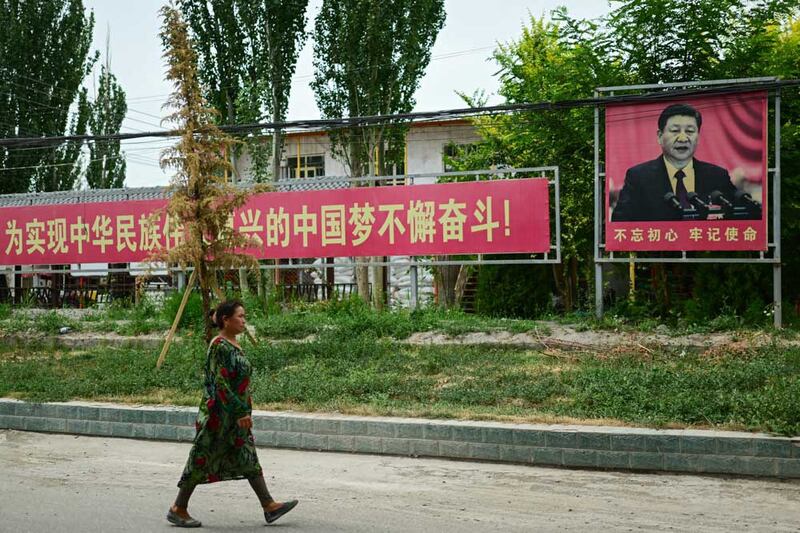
x,y
658,276
461,283
203,281
446,276
362,268
573,282
566,282
243,286
377,284
276,138
362,279
558,279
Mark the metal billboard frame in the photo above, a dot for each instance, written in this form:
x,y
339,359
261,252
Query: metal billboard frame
x,y
771,256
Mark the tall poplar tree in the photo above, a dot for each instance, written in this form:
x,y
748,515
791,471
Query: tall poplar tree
x,y
44,58
106,169
674,40
247,52
369,58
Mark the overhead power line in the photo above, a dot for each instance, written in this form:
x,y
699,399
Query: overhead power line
x,y
350,122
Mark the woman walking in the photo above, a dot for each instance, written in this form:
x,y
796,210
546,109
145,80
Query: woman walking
x,y
223,445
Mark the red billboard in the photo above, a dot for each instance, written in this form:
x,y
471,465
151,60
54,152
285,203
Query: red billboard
x,y
687,175
487,217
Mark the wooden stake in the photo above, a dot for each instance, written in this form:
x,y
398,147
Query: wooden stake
x,y
178,315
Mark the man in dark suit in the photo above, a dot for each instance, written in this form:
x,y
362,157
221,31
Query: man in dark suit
x,y
646,193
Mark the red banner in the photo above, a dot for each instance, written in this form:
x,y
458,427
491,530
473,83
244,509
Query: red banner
x,y
687,175
488,217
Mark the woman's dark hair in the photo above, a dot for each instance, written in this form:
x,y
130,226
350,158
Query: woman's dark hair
x,y
226,310
212,316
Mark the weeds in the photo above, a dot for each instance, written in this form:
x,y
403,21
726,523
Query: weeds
x,y
366,374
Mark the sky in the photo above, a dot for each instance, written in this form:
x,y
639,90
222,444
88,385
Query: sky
x,y
460,62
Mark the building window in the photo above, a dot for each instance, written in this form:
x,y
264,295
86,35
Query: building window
x,y
307,166
451,151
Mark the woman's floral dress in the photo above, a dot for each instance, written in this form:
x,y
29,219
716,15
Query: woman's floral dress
x,y
221,449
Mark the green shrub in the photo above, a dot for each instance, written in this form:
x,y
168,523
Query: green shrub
x,y
514,291
52,322
192,316
119,309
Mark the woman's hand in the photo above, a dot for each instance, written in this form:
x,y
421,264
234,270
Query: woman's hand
x,y
246,422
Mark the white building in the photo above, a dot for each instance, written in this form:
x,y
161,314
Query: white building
x,y
307,154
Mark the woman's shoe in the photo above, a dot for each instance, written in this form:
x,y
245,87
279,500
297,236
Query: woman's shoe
x,y
270,517
177,520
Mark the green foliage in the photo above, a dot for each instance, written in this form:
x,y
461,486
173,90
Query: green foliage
x,y
643,41
731,290
748,389
518,291
362,373
5,311
193,315
551,62
247,54
352,316
103,372
44,58
671,40
106,168
369,58
51,322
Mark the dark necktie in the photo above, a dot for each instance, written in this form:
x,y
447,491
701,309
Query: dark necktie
x,y
680,190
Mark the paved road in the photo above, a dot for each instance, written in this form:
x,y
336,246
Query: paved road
x,y
64,483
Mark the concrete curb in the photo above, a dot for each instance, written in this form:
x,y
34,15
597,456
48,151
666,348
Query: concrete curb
x,y
601,447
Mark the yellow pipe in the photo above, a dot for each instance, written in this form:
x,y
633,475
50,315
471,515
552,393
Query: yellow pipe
x,y
405,156
632,275
297,172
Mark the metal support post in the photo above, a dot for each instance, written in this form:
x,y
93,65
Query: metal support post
x,y
598,266
414,287
776,219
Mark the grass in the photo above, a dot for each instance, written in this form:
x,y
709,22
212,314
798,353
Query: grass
x,y
674,327
354,360
365,373
48,323
343,318
352,317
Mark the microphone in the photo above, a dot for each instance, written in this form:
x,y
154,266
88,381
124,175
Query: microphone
x,y
699,205
742,197
753,207
672,201
695,200
719,199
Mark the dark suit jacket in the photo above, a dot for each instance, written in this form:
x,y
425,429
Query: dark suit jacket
x,y
646,184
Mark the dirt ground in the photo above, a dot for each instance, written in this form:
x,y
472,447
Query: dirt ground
x,y
572,337
553,335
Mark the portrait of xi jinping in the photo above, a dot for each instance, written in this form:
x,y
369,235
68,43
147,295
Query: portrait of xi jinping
x,y
676,183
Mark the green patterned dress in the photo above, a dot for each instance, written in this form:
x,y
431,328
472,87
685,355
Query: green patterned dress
x,y
221,449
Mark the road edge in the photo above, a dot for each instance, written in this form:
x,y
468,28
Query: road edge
x,y
572,446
